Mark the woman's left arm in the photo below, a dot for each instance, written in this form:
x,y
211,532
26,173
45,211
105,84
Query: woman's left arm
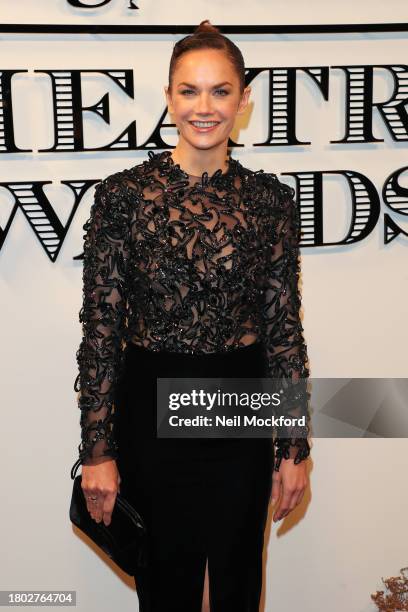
x,y
286,350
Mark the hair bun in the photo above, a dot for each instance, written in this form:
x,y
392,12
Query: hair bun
x,y
207,36
206,26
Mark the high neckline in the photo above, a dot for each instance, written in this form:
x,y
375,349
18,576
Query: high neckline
x,y
218,173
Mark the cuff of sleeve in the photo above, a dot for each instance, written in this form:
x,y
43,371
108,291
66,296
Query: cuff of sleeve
x,y
287,448
109,455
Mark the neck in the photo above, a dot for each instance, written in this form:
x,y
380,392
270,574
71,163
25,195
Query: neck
x,y
196,161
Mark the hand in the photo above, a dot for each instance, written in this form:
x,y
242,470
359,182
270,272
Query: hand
x,y
289,484
103,482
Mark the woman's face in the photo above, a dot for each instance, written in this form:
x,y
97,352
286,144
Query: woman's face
x,y
205,89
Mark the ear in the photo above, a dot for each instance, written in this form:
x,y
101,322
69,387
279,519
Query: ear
x,y
244,100
168,99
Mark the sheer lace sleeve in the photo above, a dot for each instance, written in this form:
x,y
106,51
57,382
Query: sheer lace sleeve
x,y
286,351
103,315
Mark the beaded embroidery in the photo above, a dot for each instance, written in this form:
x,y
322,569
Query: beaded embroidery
x,y
192,265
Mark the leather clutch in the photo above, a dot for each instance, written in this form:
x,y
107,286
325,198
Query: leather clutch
x,y
124,540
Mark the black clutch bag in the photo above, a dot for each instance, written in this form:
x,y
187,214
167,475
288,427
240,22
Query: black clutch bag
x,y
123,540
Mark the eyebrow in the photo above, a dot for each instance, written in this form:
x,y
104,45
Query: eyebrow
x,y
215,86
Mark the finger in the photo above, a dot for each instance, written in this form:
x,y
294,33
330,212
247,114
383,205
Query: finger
x,y
284,506
299,496
276,490
97,510
292,501
91,504
276,487
94,506
108,506
280,514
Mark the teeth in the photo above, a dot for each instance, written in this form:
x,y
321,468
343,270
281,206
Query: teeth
x,y
204,123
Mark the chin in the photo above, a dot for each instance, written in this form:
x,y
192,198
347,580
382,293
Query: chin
x,y
205,142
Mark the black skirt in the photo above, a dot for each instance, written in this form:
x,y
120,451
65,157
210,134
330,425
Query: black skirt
x,y
201,498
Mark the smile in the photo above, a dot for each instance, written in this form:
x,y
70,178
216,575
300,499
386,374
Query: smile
x,y
204,126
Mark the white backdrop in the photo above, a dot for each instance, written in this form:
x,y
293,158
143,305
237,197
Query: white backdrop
x,y
351,526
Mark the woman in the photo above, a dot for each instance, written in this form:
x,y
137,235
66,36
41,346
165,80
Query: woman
x,y
191,269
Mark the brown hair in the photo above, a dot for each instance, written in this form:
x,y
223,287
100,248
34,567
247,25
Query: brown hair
x,y
207,36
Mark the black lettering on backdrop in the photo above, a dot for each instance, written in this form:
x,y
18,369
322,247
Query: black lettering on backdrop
x,y
7,142
282,102
68,107
395,197
80,4
68,110
360,104
68,130
364,199
30,198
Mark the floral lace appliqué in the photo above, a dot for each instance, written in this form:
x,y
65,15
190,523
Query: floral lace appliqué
x,y
191,265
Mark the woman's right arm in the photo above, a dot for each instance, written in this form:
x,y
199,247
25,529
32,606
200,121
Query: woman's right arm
x,y
100,356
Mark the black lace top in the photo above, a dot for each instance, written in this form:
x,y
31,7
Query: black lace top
x,y
193,265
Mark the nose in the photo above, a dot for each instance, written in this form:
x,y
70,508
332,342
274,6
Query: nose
x,y
204,106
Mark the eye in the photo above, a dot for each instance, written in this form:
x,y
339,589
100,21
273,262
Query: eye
x,y
222,92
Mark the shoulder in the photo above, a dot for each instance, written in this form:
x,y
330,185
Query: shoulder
x,y
266,182
275,200
270,181
281,198
111,199
155,163
131,181
121,187
119,180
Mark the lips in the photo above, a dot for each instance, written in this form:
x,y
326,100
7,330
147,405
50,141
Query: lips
x,y
204,129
